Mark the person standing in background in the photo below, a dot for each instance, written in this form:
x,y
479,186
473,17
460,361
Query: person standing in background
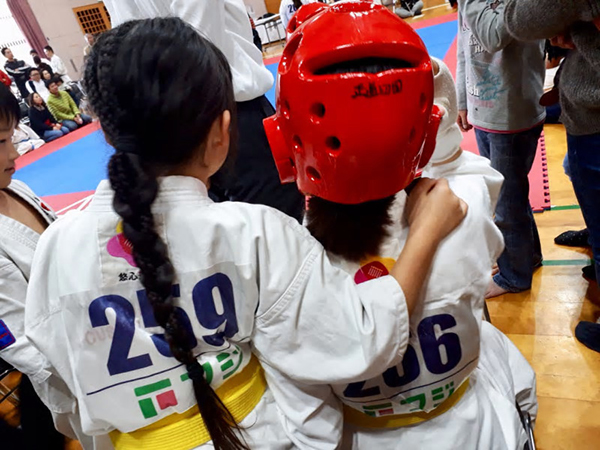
x,y
58,66
17,69
574,24
34,54
499,84
89,39
288,8
225,23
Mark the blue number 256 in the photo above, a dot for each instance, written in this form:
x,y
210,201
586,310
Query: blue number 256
x,y
206,308
411,369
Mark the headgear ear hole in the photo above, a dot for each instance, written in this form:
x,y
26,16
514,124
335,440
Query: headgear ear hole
x,y
318,110
298,147
313,174
333,143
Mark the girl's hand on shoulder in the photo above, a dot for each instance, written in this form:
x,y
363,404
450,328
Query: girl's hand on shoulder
x,y
433,210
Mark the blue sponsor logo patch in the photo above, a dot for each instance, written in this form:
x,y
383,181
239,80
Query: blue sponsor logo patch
x,y
6,337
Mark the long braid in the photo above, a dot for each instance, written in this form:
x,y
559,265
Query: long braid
x,y
135,186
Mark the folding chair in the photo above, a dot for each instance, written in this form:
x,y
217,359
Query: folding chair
x,y
7,393
528,425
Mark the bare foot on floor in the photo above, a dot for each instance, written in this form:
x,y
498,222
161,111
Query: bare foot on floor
x,y
494,290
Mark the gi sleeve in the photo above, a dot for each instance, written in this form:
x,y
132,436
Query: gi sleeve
x,y
15,348
313,322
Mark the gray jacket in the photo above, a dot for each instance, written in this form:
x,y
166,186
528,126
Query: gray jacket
x,y
580,78
499,79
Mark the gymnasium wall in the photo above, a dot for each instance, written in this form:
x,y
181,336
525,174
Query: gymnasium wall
x,y
258,6
58,22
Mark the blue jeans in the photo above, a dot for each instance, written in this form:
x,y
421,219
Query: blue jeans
x,y
50,135
72,125
584,165
512,155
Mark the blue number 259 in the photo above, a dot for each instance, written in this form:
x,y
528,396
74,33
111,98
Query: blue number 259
x,y
207,312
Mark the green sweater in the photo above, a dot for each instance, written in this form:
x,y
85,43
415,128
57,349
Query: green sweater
x,y
62,107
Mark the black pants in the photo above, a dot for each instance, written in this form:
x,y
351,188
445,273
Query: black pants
x,y
22,85
251,175
36,421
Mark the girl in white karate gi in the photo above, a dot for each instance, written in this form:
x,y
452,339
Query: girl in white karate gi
x,y
458,382
23,217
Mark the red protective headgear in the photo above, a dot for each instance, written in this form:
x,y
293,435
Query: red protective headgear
x,y
352,137
303,14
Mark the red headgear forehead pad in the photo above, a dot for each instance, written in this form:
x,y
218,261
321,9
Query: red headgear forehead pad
x,y
354,104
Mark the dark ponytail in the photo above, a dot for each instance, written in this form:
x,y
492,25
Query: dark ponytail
x,y
297,4
157,114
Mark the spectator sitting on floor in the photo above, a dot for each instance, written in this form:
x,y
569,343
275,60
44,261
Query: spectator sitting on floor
x,y
409,8
64,109
68,89
58,67
42,65
42,122
37,85
16,69
25,139
47,75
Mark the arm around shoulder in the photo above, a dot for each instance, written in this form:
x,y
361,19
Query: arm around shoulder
x,y
324,328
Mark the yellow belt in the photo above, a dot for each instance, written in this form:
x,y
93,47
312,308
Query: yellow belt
x,y
360,419
240,394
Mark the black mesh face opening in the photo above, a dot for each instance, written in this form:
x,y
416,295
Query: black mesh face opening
x,y
365,65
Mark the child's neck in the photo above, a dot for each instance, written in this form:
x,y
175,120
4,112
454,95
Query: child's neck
x,y
16,208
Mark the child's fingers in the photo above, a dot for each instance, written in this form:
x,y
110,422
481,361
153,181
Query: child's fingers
x,y
423,187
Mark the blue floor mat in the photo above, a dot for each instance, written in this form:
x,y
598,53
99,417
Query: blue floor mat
x,y
79,166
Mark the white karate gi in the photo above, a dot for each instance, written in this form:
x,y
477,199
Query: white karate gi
x,y
224,22
448,342
25,139
249,280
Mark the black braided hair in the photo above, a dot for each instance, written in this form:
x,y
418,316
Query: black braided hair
x,y
157,87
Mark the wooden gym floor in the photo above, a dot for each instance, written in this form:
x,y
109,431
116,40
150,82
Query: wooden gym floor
x,y
541,322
